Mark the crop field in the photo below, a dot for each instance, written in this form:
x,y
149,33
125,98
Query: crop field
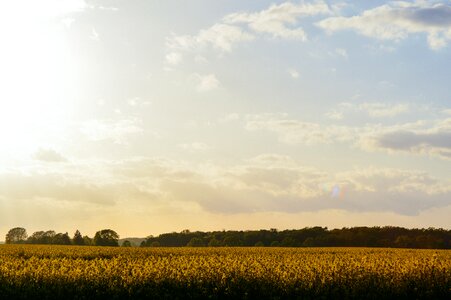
x,y
71,272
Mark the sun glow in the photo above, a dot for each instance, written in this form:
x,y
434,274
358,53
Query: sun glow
x,y
36,76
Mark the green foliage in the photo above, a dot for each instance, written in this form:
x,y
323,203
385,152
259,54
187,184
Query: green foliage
x,y
314,237
196,242
16,235
106,237
126,244
88,241
78,239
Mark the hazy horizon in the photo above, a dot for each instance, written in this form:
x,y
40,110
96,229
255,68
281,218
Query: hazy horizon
x,y
157,116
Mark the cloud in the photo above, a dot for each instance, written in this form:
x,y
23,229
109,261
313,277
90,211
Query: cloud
x,y
279,20
116,131
293,73
219,36
174,58
195,147
94,35
56,187
277,183
341,52
420,138
294,131
48,155
434,140
334,115
269,182
397,21
138,102
381,110
205,83
372,109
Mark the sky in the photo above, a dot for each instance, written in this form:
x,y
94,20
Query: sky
x,y
157,116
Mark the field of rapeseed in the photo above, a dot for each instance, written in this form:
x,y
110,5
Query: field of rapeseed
x,y
49,272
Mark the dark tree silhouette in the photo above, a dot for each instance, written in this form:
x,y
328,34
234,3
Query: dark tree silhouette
x,y
126,244
106,237
78,239
16,235
196,242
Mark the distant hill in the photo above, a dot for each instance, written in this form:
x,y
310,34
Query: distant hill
x,y
136,242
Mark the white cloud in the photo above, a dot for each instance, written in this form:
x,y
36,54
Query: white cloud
x,y
205,83
372,109
138,102
94,35
294,131
219,36
279,20
174,58
48,155
116,131
293,73
341,52
195,147
334,115
420,138
381,110
397,20
229,118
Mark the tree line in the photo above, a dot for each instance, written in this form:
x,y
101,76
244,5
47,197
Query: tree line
x,y
388,236
105,237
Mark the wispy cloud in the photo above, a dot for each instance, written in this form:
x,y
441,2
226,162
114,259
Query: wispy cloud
x,y
48,155
174,58
397,20
219,36
279,20
205,83
115,131
372,109
293,73
195,147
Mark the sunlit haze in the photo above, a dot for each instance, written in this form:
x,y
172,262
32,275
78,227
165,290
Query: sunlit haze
x,y
157,116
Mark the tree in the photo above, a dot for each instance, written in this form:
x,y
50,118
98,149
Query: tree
x,y
48,237
106,237
214,243
16,235
61,239
155,244
126,243
78,239
196,242
87,241
37,237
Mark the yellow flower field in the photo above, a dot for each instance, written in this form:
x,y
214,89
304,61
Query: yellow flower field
x,y
71,272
